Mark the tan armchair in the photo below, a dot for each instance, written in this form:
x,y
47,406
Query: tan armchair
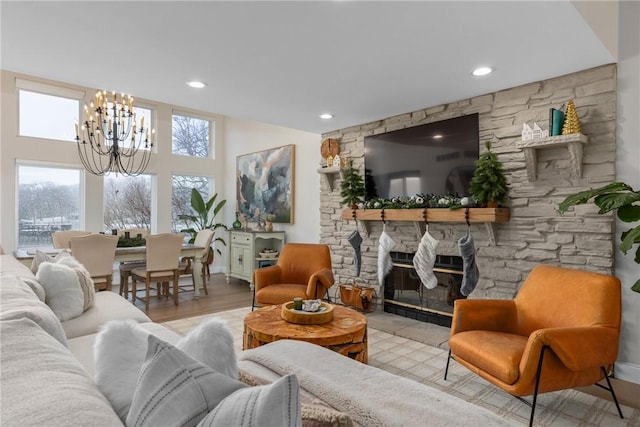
x,y
96,252
62,239
303,270
561,331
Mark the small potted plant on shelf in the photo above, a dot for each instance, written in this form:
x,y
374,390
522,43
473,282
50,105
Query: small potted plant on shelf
x,y
352,187
489,185
202,220
620,196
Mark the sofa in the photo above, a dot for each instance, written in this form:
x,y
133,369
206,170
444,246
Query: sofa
x,y
47,371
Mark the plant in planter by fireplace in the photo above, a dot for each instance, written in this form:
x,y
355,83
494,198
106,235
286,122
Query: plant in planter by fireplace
x,y
620,196
352,187
489,185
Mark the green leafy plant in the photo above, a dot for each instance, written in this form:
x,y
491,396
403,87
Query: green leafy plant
x,y
352,187
489,183
620,196
204,218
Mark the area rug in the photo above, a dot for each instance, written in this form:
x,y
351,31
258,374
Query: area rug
x,y
424,363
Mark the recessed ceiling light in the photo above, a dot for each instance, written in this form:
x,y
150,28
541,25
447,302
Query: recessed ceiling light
x,y
326,116
482,71
196,84
437,136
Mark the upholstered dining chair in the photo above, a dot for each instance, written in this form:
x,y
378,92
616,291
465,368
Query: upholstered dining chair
x,y
96,252
303,270
204,239
61,239
560,331
162,259
125,267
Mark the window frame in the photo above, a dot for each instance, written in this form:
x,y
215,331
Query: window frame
x,y
49,165
212,132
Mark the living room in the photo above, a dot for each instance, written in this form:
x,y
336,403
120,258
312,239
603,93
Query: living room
x,y
314,209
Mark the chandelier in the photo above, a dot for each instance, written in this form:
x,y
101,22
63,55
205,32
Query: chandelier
x,y
109,140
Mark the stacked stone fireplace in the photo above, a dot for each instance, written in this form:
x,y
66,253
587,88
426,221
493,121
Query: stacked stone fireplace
x,y
536,233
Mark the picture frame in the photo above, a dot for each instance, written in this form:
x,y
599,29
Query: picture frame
x,y
265,184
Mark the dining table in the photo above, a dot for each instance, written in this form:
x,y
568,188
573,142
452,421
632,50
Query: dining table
x,y
137,253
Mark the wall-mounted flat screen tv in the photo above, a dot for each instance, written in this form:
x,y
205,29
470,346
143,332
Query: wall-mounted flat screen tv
x,y
434,158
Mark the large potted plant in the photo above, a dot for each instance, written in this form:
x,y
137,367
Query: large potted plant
x,y
204,218
489,185
620,196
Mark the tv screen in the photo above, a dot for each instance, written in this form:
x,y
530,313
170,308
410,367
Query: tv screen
x,y
435,158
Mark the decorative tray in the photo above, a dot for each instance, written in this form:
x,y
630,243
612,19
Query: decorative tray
x,y
273,254
323,315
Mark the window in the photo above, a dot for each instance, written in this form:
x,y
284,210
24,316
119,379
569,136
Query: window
x,y
47,116
127,202
48,200
181,186
191,136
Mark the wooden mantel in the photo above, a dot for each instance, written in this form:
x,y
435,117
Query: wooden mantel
x,y
488,216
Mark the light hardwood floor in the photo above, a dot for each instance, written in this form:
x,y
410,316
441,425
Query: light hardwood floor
x,y
222,296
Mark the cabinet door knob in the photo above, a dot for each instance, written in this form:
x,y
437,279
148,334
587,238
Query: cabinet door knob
x,y
240,259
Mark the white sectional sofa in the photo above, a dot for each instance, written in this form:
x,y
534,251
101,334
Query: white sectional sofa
x,y
46,367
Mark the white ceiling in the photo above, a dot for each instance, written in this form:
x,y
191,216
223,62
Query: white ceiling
x,y
286,62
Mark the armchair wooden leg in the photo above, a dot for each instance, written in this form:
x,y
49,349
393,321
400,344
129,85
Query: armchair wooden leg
x,y
175,287
205,273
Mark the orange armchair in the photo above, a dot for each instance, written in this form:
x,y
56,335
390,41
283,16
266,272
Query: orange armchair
x,y
560,331
303,270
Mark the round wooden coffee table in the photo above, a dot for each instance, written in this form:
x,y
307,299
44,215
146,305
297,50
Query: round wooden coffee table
x,y
345,334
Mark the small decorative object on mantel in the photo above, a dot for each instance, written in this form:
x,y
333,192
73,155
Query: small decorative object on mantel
x,y
237,224
352,187
527,132
337,162
489,185
330,162
538,133
571,121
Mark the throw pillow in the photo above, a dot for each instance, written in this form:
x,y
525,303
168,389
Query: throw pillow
x,y
315,413
120,349
175,389
276,404
118,354
39,257
64,295
35,287
211,343
86,286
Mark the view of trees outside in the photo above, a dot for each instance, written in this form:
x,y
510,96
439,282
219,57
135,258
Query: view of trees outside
x,y
181,186
127,202
48,200
191,136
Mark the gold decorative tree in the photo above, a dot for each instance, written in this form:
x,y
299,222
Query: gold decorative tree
x,y
571,121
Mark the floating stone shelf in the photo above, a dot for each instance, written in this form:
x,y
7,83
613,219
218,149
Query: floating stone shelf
x,y
573,142
325,172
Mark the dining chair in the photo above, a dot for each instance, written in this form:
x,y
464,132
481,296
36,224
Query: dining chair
x,y
204,239
126,266
162,262
96,252
61,239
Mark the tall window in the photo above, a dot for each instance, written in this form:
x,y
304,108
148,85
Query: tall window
x,y
47,116
191,136
181,197
127,202
48,200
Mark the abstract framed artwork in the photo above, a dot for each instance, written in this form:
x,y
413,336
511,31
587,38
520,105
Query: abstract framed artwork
x,y
264,184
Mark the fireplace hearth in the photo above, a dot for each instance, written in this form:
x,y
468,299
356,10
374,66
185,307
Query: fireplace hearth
x,y
405,295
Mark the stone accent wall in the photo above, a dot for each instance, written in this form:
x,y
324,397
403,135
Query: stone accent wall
x,y
536,233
